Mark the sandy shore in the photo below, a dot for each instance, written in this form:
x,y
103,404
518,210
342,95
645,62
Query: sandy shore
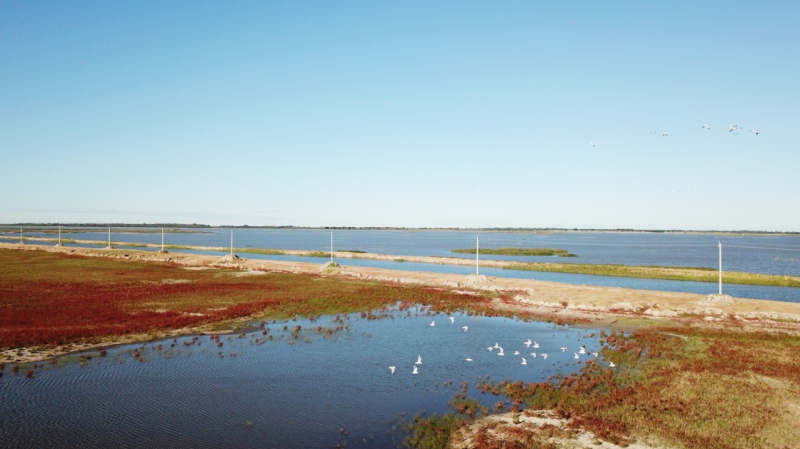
x,y
603,306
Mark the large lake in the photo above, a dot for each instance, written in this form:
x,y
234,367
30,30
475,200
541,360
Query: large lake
x,y
768,254
291,391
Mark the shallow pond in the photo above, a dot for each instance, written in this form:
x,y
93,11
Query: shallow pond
x,y
294,390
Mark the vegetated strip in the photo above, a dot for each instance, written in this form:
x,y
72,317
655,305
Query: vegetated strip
x,y
695,274
55,298
685,386
518,252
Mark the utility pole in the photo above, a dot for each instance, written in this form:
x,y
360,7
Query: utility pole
x,y
477,254
720,267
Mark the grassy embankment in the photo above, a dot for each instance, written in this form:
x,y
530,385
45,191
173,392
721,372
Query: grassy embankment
x,y
695,274
684,387
518,252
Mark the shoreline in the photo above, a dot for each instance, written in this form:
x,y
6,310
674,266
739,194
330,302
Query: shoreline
x,y
672,273
603,307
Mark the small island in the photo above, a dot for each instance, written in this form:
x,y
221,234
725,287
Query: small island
x,y
519,252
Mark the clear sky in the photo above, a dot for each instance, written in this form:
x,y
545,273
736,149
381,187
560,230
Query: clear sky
x,y
404,113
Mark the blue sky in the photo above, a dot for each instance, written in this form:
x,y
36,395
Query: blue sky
x,y
412,113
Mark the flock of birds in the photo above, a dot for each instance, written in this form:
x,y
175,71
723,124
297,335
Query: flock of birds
x,y
732,131
501,352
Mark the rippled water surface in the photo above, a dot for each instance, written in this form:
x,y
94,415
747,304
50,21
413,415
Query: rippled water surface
x,y
291,391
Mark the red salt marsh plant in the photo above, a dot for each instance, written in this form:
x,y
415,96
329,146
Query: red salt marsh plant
x,y
684,386
52,298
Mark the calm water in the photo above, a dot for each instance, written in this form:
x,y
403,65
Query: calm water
x,y
768,254
276,393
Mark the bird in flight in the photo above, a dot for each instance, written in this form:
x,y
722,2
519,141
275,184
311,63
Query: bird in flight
x,y
592,144
392,368
419,361
755,131
706,126
732,128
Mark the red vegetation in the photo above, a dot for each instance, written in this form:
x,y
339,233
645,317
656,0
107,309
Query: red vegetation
x,y
54,299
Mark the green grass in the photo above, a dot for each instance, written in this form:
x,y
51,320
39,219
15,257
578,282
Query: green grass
x,y
177,247
351,251
518,252
272,252
316,254
695,274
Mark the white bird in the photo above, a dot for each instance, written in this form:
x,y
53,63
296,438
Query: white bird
x,y
533,354
582,351
419,360
732,128
452,320
524,362
433,323
755,131
490,348
469,360
465,328
576,355
563,349
664,134
501,352
528,343
544,355
496,345
706,126
611,364
516,352
392,368
591,143
415,371
595,354
535,344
